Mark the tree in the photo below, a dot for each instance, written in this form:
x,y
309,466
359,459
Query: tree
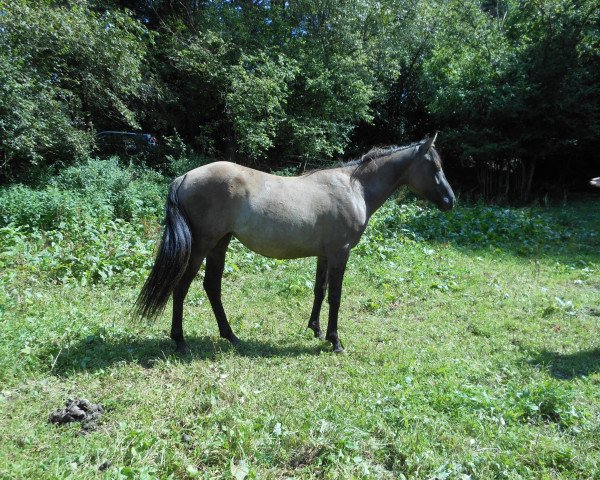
x,y
508,83
513,86
66,71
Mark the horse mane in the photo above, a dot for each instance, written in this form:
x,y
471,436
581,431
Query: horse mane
x,y
378,152
374,154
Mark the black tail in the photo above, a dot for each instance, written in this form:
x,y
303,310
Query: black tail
x,y
171,260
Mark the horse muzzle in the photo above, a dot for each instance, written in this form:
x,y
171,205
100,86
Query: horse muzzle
x,y
447,203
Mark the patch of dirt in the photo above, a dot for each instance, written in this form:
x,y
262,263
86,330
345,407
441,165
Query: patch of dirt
x,y
81,410
305,456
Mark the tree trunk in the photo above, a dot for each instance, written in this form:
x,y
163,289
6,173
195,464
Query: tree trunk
x,y
526,192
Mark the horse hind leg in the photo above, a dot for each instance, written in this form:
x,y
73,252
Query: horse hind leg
x,y
215,264
179,294
320,289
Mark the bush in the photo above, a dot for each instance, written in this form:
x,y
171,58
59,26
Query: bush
x,y
131,192
97,189
45,209
482,225
88,225
109,251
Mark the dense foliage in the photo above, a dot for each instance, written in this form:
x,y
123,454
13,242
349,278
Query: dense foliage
x,y
513,86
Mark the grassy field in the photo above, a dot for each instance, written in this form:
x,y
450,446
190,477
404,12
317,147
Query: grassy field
x,y
473,351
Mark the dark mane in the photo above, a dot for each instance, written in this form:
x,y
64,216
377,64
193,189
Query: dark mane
x,y
373,154
378,152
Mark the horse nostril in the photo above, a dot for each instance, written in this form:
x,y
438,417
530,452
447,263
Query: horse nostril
x,y
448,203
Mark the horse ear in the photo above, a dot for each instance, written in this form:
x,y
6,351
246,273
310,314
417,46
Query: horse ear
x,y
427,144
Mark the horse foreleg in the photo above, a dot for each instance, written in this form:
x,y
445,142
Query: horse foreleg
x,y
179,293
335,273
320,289
215,264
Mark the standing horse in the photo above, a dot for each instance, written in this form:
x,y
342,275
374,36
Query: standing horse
x,y
320,214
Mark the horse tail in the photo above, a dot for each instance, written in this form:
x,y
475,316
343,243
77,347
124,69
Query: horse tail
x,y
171,260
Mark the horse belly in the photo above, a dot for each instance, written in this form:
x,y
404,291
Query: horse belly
x,y
268,234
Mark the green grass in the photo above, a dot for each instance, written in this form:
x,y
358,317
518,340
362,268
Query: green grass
x,y
474,357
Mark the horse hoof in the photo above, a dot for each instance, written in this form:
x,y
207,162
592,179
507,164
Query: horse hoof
x,y
339,349
234,340
183,349
318,334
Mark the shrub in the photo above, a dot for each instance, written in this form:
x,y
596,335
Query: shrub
x,y
97,189
88,225
45,209
131,192
481,225
109,251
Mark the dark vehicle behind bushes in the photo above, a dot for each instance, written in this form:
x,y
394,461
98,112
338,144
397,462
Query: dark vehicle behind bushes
x,y
125,143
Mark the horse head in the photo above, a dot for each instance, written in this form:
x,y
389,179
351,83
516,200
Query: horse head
x,y
426,177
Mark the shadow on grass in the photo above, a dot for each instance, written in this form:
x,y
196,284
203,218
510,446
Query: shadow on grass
x,y
569,366
98,354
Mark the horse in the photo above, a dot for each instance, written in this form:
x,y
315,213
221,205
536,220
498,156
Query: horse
x,y
322,213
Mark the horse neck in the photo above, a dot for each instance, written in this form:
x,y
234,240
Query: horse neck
x,y
382,176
